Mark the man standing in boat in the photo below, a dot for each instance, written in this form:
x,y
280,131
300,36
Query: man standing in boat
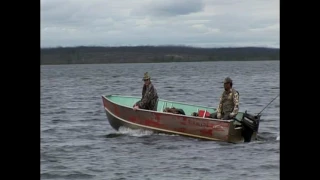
x,y
149,98
229,102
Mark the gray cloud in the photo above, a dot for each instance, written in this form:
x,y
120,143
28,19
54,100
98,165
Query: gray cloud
x,y
174,8
190,22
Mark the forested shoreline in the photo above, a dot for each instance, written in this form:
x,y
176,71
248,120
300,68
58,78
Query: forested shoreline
x,y
153,54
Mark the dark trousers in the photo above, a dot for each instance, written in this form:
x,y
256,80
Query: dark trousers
x,y
224,116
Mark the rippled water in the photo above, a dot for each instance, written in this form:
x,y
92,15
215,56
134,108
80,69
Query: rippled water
x,y
77,141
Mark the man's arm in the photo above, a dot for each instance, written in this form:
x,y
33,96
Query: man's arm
x,y
236,104
219,107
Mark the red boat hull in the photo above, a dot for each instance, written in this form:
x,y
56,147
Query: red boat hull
x,y
204,128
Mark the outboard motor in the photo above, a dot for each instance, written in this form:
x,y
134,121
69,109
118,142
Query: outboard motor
x,y
250,125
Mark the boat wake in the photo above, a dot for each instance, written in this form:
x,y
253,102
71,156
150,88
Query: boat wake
x,y
135,132
124,131
267,136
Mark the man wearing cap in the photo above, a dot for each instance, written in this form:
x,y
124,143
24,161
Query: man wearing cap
x,y
229,102
149,98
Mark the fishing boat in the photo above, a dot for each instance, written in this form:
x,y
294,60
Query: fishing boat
x,y
194,122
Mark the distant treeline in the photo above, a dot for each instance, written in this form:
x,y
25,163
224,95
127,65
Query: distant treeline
x,y
149,54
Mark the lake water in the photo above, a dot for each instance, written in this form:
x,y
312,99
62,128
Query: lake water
x,y
77,141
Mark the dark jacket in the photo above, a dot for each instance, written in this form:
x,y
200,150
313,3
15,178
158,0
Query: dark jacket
x,y
149,99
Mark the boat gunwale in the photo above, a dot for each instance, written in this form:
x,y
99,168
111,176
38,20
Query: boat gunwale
x,y
179,115
184,103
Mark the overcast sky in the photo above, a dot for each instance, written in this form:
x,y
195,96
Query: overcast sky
x,y
206,23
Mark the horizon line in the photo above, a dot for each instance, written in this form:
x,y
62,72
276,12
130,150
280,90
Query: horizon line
x,y
169,45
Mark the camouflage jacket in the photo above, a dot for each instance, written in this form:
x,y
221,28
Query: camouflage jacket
x,y
149,97
229,102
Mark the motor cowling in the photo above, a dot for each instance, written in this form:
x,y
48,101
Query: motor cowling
x,y
250,125
251,121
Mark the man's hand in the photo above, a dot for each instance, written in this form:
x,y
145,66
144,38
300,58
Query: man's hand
x,y
135,107
219,115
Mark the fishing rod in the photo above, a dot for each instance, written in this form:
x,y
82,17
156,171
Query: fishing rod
x,y
268,104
